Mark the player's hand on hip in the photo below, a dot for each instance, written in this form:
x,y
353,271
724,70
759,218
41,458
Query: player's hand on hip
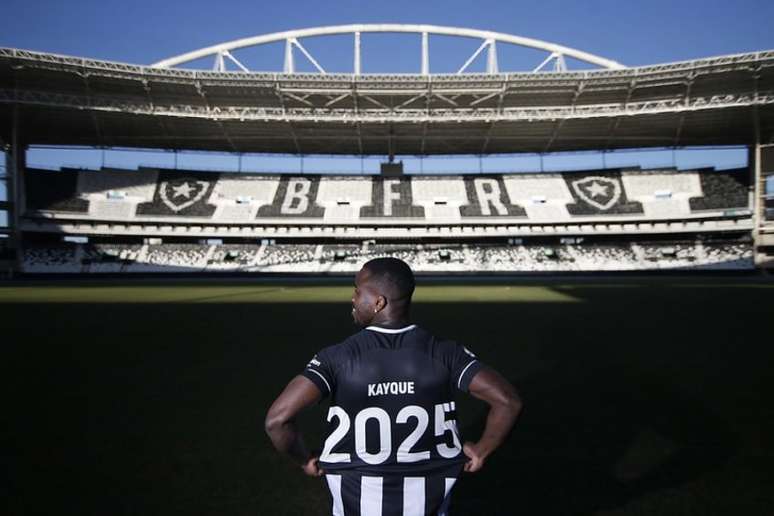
x,y
475,457
312,467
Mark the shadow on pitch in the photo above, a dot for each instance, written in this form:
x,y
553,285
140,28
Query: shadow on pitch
x,y
156,408
595,440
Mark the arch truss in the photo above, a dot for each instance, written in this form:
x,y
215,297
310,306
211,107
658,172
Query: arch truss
x,y
555,59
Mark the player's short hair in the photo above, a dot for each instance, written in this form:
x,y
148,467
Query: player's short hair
x,y
393,275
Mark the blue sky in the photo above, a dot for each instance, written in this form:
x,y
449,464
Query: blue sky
x,y
633,33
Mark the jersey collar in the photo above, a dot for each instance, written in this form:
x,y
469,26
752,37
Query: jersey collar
x,y
391,330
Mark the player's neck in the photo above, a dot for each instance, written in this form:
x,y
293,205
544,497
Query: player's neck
x,y
392,321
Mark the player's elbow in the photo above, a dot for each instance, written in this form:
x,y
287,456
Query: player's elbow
x,y
510,401
274,421
515,404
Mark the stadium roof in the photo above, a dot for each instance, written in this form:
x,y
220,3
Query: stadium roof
x,y
64,100
222,53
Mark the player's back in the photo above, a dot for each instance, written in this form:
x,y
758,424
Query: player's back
x,y
392,444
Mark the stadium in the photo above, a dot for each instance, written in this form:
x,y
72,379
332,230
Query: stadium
x,y
167,261
154,220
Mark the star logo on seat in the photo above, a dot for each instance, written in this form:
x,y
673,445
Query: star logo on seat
x,y
179,194
600,192
184,189
597,189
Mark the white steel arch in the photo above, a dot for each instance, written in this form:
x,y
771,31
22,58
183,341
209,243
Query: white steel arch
x,y
489,41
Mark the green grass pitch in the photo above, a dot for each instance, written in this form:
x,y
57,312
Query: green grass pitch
x,y
642,396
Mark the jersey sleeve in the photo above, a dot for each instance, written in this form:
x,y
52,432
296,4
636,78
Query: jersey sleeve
x,y
464,367
320,371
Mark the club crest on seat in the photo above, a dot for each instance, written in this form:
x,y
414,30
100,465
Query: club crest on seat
x,y
600,192
179,194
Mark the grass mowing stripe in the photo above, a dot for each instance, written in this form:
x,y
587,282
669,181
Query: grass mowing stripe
x,y
272,294
551,292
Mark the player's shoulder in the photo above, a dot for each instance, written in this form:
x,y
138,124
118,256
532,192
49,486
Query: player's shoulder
x,y
438,342
450,350
414,336
344,349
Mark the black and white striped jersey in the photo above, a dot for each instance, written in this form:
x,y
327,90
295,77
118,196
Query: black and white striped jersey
x,y
356,493
392,421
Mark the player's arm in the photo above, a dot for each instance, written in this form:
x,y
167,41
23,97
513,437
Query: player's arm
x,y
504,407
281,427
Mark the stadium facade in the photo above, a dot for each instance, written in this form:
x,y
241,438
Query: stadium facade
x,y
47,99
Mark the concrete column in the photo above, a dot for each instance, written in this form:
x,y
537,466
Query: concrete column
x,y
763,234
766,160
15,164
10,183
754,159
7,203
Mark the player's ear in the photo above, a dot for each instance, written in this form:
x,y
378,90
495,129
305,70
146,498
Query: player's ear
x,y
381,302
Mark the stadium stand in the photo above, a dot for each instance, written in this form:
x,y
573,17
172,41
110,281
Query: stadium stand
x,y
117,183
599,193
158,258
722,190
149,195
295,197
185,194
113,258
53,259
392,197
343,198
238,197
543,196
342,258
662,194
330,217
233,257
702,102
440,197
291,255
55,191
487,197
424,258
733,256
